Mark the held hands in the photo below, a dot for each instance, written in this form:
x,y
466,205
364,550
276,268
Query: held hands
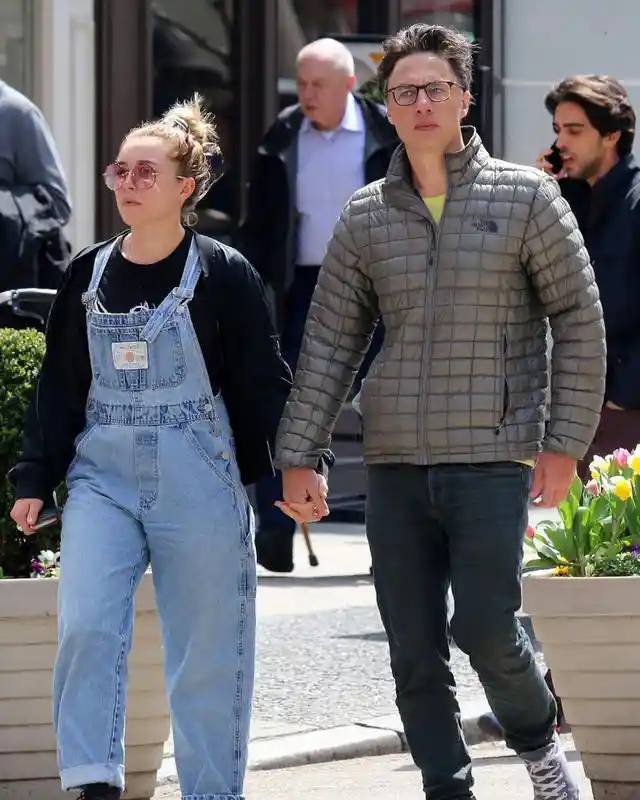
x,y
553,475
25,513
305,495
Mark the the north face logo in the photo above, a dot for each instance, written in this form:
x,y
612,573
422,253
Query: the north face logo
x,y
485,225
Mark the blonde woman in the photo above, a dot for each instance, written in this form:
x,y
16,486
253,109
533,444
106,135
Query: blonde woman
x,y
160,391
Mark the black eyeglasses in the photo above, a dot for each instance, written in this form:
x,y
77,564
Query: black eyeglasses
x,y
436,91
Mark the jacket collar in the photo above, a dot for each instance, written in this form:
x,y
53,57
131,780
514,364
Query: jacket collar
x,y
611,186
617,177
283,133
462,167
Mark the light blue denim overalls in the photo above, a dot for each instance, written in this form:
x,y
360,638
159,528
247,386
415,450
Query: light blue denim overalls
x,y
155,478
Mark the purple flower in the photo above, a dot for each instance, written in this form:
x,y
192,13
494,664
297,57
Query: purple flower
x,y
635,550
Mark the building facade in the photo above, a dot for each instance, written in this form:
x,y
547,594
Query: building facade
x,y
240,55
47,51
98,67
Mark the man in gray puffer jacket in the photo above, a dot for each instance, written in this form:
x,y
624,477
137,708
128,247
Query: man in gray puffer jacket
x,y
468,259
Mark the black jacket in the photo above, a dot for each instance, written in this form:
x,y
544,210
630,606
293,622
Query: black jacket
x,y
252,375
609,218
268,234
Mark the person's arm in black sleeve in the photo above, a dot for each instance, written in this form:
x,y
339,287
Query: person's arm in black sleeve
x,y
254,350
56,413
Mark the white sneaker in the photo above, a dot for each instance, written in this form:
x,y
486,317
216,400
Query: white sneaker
x,y
548,769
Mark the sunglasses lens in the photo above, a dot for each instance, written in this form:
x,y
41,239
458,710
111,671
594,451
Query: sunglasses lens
x,y
113,177
143,176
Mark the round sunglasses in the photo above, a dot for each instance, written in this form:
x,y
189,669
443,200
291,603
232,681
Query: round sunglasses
x,y
142,176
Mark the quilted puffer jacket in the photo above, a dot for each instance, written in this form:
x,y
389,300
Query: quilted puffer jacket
x,y
463,375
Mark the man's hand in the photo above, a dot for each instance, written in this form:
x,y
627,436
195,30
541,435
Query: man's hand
x,y
305,495
545,166
553,475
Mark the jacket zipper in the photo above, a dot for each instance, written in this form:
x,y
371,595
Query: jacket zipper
x,y
426,350
505,386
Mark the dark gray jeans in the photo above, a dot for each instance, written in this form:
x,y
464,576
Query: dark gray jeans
x,y
458,525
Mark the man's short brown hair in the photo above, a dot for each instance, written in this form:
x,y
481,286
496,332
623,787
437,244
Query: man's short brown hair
x,y
447,43
605,102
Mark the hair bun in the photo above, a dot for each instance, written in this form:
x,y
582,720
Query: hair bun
x,y
191,117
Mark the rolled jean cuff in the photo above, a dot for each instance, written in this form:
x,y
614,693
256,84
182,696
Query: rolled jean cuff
x,y
78,777
213,797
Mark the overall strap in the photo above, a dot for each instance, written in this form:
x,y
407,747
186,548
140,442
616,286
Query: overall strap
x,y
99,265
179,296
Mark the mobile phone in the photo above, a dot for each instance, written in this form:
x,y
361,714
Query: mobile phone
x,y
555,159
46,517
49,514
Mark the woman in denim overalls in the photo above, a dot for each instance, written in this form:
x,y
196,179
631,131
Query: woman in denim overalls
x,y
154,478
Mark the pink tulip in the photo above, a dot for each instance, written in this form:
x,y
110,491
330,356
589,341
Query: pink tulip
x,y
593,488
621,457
530,532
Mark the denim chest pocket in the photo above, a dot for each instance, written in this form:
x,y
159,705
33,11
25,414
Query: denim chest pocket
x,y
166,366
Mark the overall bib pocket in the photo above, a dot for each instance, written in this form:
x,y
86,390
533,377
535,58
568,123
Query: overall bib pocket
x,y
123,361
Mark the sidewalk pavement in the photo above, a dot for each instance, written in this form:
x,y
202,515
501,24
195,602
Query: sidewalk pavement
x,y
276,744
277,747
499,775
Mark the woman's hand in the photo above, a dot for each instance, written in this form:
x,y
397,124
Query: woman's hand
x,y
25,514
305,495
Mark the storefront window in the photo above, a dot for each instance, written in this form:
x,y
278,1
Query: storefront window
x,y
193,51
456,13
302,21
15,44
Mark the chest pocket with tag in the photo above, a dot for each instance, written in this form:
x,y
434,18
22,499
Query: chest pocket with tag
x,y
121,360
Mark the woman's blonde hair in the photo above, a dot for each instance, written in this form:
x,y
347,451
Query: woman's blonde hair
x,y
192,134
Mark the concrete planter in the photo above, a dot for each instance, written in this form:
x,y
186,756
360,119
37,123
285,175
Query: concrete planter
x,y
589,629
28,636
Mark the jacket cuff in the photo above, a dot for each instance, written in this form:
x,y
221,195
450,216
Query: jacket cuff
x,y
325,464
572,448
290,460
29,482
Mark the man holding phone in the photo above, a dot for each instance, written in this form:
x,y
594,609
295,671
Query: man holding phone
x,y
599,177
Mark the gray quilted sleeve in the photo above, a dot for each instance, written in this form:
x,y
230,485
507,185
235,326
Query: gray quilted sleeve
x,y
561,272
337,333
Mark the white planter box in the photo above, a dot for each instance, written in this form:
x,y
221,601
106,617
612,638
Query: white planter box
x,y
28,640
589,629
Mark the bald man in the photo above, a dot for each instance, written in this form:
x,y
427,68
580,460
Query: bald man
x,y
311,160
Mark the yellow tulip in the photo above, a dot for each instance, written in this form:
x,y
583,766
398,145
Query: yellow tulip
x,y
561,571
622,487
634,462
